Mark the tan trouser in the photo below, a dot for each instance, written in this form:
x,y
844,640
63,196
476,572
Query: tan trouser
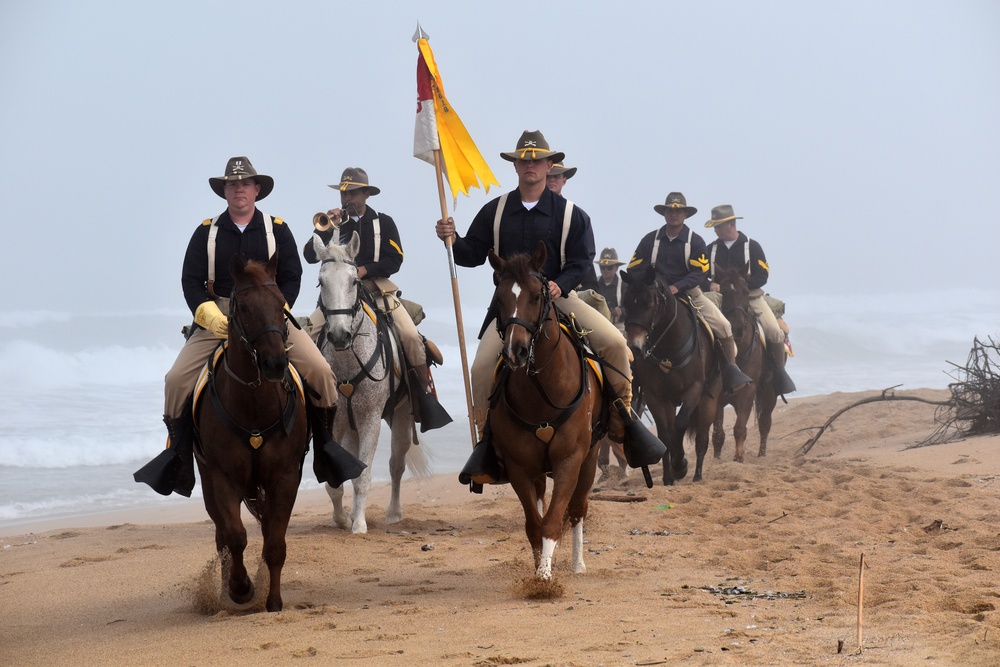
x,y
607,341
772,332
303,353
720,325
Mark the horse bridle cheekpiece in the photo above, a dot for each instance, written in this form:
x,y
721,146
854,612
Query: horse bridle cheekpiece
x,y
248,339
533,328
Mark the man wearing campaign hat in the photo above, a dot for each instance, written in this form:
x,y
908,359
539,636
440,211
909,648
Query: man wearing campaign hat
x,y
515,223
734,250
678,256
241,230
379,257
611,286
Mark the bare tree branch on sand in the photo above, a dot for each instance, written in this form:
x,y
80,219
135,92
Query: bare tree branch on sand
x,y
972,409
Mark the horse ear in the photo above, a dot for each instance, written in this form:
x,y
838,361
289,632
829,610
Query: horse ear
x,y
496,262
320,248
353,245
541,254
237,267
272,264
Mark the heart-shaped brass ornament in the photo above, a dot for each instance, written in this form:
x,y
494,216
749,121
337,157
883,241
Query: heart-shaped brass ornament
x,y
256,440
545,432
346,388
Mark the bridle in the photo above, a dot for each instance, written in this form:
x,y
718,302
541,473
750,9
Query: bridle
x,y
248,339
534,329
352,311
687,351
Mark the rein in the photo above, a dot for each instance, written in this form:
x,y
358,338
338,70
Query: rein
x,y
381,352
549,312
687,351
248,340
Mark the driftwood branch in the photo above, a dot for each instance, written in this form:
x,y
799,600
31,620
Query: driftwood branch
x,y
888,394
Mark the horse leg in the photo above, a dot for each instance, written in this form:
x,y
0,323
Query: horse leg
x,y
743,406
578,506
766,400
400,430
705,414
278,502
364,443
348,440
223,505
527,492
565,480
719,431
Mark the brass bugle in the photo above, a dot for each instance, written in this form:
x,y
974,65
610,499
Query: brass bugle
x,y
323,222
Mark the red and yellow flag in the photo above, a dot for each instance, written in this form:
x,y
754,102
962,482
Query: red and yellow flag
x,y
439,128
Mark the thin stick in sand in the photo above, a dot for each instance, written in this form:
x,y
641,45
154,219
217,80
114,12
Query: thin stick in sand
x,y
861,596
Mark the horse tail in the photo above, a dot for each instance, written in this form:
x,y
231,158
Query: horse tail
x,y
418,461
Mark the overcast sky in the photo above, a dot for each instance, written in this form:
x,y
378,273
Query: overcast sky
x,y
859,140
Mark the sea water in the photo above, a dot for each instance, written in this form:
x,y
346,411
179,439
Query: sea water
x,y
81,400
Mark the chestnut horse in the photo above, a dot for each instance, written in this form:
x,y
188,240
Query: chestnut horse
x,y
545,411
675,365
752,359
251,430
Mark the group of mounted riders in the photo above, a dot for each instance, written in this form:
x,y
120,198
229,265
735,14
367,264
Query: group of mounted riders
x,y
515,223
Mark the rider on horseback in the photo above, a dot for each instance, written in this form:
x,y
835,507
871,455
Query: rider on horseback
x,y
734,250
241,229
678,254
515,223
379,257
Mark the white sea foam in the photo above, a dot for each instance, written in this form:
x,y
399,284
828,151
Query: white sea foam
x,y
82,395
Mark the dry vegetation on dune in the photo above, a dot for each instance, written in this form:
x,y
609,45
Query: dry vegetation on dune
x,y
757,565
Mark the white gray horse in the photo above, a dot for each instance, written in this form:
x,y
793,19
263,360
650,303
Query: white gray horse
x,y
358,353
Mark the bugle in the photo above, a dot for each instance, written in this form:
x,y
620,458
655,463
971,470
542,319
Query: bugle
x,y
323,222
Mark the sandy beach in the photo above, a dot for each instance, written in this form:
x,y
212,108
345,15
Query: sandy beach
x,y
757,565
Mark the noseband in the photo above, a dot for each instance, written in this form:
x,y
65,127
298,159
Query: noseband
x,y
533,328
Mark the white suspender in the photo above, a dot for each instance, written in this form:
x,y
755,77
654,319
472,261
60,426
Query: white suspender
x,y
746,256
213,230
378,238
496,223
567,216
656,249
618,290
565,233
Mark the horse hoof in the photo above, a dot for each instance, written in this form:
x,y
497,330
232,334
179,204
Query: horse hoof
x,y
696,478
242,598
680,469
738,459
274,605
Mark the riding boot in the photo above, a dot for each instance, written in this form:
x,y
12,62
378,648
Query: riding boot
x,y
331,463
483,466
426,410
172,470
732,377
782,382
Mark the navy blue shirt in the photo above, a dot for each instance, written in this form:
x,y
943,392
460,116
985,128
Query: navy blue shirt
x,y
390,247
735,257
251,243
520,232
671,266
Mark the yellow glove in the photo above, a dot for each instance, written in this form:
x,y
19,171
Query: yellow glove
x,y
211,318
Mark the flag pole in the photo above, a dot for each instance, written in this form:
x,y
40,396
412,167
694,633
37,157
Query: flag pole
x,y
439,169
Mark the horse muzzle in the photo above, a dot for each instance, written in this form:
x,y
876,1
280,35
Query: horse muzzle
x,y
340,341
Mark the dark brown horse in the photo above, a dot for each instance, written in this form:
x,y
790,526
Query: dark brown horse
x,y
545,410
752,359
674,365
251,429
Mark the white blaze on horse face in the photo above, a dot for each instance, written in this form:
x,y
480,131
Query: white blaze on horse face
x,y
515,289
544,571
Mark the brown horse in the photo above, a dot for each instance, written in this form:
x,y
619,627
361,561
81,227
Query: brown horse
x,y
545,409
752,360
252,429
675,365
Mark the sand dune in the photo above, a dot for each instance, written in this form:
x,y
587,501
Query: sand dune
x,y
757,565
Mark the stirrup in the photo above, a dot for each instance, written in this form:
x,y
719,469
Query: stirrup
x,y
432,413
483,466
733,378
162,473
642,448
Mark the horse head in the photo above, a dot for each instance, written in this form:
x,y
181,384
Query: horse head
x,y
648,305
523,303
257,316
339,289
735,298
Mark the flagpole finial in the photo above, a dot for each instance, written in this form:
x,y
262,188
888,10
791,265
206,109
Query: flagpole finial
x,y
420,34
